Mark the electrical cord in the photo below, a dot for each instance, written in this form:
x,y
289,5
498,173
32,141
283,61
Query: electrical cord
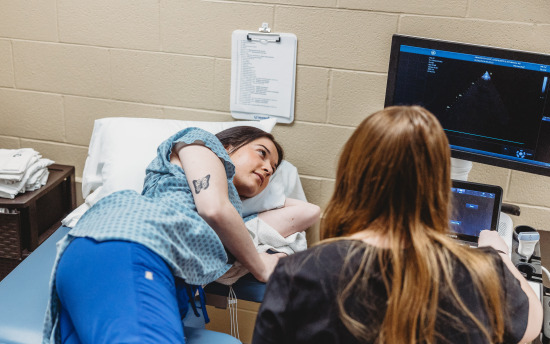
x,y
232,301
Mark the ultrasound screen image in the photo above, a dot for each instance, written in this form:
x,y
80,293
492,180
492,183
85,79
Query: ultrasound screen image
x,y
485,106
472,212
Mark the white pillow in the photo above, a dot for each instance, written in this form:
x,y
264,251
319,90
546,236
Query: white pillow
x,y
121,148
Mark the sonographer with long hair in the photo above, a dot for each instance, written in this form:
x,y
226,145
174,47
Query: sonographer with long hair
x,y
387,271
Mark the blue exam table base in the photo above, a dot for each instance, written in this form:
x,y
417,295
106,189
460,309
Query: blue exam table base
x,y
24,295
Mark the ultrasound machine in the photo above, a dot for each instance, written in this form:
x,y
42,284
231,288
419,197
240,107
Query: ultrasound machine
x,y
493,105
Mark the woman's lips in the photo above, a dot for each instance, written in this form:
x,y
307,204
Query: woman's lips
x,y
261,178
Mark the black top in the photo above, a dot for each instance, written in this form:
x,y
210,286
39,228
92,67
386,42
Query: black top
x,y
300,301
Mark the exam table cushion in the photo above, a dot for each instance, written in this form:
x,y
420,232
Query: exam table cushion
x,y
25,292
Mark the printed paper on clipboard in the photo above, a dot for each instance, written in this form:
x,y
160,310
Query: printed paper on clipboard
x,y
263,75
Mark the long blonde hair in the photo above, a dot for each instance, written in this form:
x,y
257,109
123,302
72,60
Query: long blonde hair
x,y
393,179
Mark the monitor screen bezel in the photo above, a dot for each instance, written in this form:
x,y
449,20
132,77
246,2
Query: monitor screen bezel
x,y
466,48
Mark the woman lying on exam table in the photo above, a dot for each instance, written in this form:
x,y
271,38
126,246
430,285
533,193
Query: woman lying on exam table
x,y
388,272
129,267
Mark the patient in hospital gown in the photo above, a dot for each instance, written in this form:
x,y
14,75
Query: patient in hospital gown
x,y
126,271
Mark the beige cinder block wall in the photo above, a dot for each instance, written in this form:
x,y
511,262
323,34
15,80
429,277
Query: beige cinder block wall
x,y
64,64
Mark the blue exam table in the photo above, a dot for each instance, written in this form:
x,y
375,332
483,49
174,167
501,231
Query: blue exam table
x,y
24,297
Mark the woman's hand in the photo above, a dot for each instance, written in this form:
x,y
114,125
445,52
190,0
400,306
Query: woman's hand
x,y
269,261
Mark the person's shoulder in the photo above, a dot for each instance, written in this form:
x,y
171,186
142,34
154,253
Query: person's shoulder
x,y
492,254
463,274
191,135
194,133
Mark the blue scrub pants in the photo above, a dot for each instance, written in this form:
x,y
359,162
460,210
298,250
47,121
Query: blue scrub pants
x,y
119,292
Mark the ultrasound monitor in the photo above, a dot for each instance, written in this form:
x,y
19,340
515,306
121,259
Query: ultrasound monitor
x,y
491,102
475,207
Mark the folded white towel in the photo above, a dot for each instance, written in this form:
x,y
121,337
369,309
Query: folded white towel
x,y
35,176
265,237
38,180
17,177
14,162
6,195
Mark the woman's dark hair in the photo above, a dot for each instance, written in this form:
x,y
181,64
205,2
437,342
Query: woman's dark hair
x,y
236,137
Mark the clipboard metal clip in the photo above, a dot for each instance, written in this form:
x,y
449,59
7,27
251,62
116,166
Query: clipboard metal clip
x,y
264,35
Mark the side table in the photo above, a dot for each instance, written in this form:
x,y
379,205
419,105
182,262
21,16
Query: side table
x,y
30,218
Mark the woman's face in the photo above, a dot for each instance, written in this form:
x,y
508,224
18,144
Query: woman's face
x,y
254,163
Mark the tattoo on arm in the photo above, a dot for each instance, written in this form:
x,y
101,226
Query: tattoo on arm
x,y
201,184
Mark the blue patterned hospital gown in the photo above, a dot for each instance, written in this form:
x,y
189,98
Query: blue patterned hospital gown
x,y
163,218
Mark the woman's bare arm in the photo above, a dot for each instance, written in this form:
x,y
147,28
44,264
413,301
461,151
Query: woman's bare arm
x,y
534,321
208,181
295,216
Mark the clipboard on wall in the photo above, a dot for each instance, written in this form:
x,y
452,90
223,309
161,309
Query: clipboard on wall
x,y
263,75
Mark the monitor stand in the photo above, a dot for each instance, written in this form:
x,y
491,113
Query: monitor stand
x,y
506,230
460,169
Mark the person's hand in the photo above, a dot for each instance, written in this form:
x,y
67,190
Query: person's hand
x,y
492,239
269,261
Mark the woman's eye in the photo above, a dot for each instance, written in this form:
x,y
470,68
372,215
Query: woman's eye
x,y
262,152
